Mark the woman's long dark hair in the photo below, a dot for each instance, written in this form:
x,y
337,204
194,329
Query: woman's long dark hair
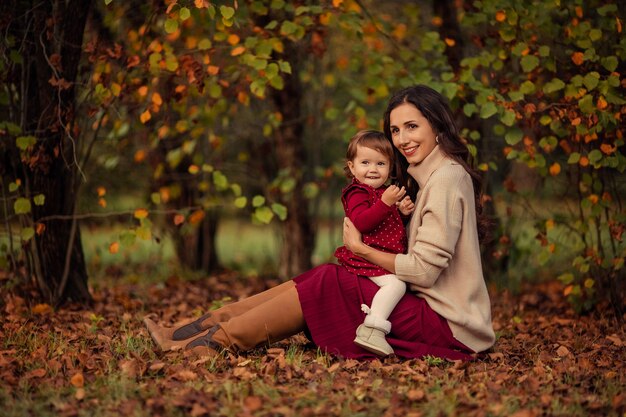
x,y
435,109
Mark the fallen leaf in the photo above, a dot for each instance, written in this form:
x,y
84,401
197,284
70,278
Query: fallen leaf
x,y
78,380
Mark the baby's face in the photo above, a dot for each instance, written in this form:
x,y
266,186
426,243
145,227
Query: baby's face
x,y
370,166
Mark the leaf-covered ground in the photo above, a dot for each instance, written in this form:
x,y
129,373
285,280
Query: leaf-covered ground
x,y
101,361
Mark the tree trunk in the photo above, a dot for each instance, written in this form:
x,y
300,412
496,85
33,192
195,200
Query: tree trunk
x,y
51,54
297,230
197,250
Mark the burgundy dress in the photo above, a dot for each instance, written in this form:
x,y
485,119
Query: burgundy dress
x,y
331,299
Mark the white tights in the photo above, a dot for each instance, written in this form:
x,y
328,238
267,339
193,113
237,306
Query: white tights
x,y
391,291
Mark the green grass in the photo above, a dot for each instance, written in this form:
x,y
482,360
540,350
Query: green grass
x,y
252,250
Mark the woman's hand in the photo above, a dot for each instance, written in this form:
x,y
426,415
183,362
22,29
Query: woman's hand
x,y
351,236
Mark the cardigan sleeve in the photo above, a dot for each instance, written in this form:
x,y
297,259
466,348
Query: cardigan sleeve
x,y
357,207
436,235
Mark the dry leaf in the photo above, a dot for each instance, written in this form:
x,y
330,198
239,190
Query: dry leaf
x,y
78,380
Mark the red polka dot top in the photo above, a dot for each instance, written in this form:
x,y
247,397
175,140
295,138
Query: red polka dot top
x,y
381,225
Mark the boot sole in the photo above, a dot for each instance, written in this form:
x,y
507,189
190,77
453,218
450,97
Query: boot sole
x,y
371,348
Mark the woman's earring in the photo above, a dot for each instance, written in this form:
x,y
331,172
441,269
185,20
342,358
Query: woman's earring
x,y
437,138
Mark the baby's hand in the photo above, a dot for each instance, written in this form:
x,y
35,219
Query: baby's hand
x,y
393,194
406,206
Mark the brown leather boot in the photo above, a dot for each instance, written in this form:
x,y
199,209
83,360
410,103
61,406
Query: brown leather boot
x,y
269,322
178,336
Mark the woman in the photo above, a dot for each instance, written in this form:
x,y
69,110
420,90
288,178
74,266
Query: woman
x,y
447,311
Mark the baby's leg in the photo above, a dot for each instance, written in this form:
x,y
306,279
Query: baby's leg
x,y
391,291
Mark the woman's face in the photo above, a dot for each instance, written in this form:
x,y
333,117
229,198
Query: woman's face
x,y
411,133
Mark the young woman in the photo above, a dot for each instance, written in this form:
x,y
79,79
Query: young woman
x,y
446,312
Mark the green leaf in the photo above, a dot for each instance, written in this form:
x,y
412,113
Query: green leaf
x,y
553,85
469,109
591,80
39,199
595,156
544,51
171,25
227,12
204,44
240,202
488,110
508,118
264,214
595,34
529,62
258,201
184,13
13,186
22,206
27,233
220,180
513,136
527,87
280,210
586,104
288,28
144,233
23,142
285,66
107,2
573,158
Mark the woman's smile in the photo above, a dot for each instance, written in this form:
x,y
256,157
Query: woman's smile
x,y
411,133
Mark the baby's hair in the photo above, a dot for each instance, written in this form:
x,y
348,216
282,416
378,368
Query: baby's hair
x,y
372,139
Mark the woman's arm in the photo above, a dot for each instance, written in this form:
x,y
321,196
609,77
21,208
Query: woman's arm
x,y
352,240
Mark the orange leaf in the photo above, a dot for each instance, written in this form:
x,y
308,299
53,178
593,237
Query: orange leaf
x,y
145,116
607,149
437,21
101,191
196,217
78,380
201,4
579,11
80,394
578,58
179,219
141,213
114,248
238,51
140,155
584,161
232,39
156,99
594,198
500,16
602,104
450,42
555,169
618,24
143,91
337,3
568,290
213,69
102,202
40,228
37,373
193,169
576,121
42,309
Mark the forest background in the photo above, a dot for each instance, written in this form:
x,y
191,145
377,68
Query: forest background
x,y
147,142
